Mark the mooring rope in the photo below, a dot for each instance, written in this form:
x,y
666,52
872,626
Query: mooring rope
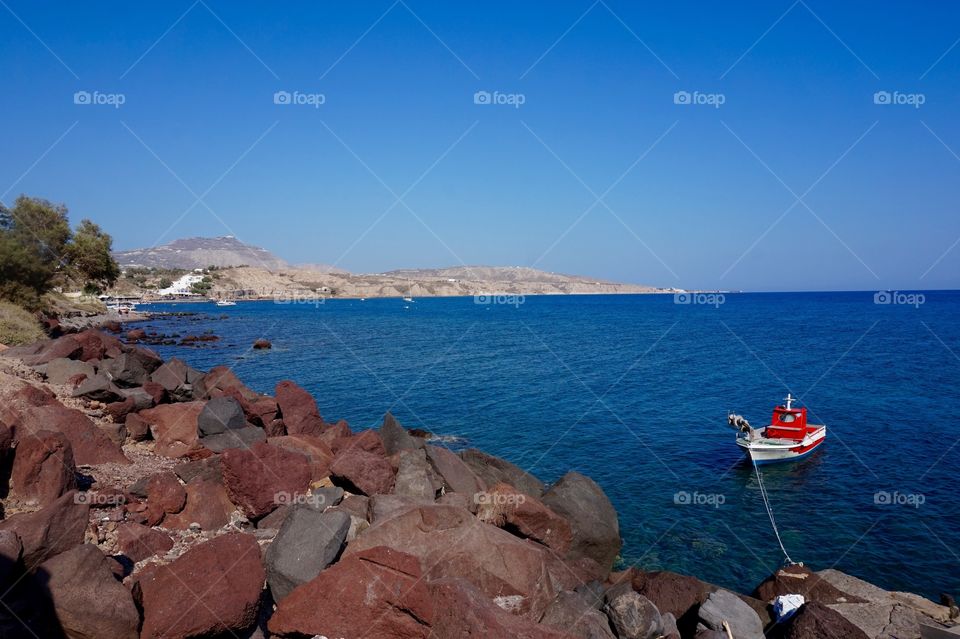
x,y
766,504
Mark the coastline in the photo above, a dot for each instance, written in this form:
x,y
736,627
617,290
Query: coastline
x,y
156,442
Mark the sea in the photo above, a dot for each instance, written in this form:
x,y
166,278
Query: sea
x,y
634,391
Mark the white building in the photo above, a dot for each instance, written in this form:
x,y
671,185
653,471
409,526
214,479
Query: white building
x,y
182,286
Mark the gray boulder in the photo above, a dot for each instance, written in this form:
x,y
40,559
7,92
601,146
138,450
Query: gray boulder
x,y
60,370
572,613
670,630
415,476
723,605
100,388
126,370
308,542
220,414
237,438
141,398
633,616
596,530
396,438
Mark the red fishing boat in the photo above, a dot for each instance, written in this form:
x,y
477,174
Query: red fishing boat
x,y
788,437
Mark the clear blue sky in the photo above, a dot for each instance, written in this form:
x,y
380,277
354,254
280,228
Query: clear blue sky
x,y
708,205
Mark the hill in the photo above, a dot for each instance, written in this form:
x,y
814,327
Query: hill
x,y
200,252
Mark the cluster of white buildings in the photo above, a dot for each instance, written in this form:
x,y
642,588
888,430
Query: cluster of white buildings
x,y
183,285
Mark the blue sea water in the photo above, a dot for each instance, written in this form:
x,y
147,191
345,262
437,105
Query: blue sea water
x,y
634,392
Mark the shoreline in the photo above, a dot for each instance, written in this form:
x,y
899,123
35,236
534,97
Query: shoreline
x,y
387,488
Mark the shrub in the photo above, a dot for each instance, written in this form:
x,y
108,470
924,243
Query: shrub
x,y
18,326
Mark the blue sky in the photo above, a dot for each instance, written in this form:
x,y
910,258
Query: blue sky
x,y
799,180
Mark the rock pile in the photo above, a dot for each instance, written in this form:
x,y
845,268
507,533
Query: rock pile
x,y
148,499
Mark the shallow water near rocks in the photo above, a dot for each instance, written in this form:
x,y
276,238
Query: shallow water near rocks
x,y
634,392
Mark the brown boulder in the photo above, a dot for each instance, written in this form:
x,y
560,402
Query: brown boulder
x,y
136,334
218,382
457,476
506,507
298,410
137,428
314,448
492,470
208,505
461,610
87,598
262,344
596,529
360,471
139,542
97,346
43,468
368,440
45,351
174,427
51,530
213,588
260,411
814,620
264,476
524,576
90,445
164,495
800,580
379,592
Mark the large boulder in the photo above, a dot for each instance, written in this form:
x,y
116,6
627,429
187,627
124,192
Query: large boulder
x,y
800,580
415,477
506,507
492,470
132,368
298,410
368,440
316,450
308,542
574,613
45,351
261,478
261,411
177,379
378,592
722,606
87,598
208,505
462,610
174,427
138,542
523,576
165,495
360,471
596,530
43,468
220,414
456,475
815,620
63,370
241,438
213,588
100,388
90,445
396,437
633,616
51,530
96,345
219,381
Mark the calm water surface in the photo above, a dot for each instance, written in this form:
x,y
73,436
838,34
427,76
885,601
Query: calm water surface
x,y
634,391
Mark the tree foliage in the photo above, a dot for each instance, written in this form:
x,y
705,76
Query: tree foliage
x,y
37,248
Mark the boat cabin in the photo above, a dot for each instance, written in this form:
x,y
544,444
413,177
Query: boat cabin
x,y
788,422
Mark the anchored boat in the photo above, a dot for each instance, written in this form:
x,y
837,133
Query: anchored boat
x,y
788,437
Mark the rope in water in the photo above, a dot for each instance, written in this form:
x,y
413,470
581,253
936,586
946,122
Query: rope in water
x,y
766,504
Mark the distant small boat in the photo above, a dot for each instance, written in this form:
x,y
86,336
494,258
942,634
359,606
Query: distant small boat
x,y
787,438
226,303
408,299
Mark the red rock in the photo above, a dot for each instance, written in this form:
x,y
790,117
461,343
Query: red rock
x,y
164,495
44,352
43,468
367,472
450,542
368,440
262,344
90,445
815,620
207,505
456,475
260,478
51,530
212,589
97,345
140,542
112,326
463,611
136,335
275,428
156,391
14,403
174,427
87,598
219,380
379,592
337,431
119,410
505,506
314,448
801,580
298,409
260,411
137,429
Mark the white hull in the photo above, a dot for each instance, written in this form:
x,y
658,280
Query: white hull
x,y
767,451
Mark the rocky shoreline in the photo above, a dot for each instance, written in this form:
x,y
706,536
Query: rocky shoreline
x,y
144,498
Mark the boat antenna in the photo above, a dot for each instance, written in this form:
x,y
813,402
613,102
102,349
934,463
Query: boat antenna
x,y
766,504
790,399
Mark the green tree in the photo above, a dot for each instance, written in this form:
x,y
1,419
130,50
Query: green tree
x,y
89,257
33,239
